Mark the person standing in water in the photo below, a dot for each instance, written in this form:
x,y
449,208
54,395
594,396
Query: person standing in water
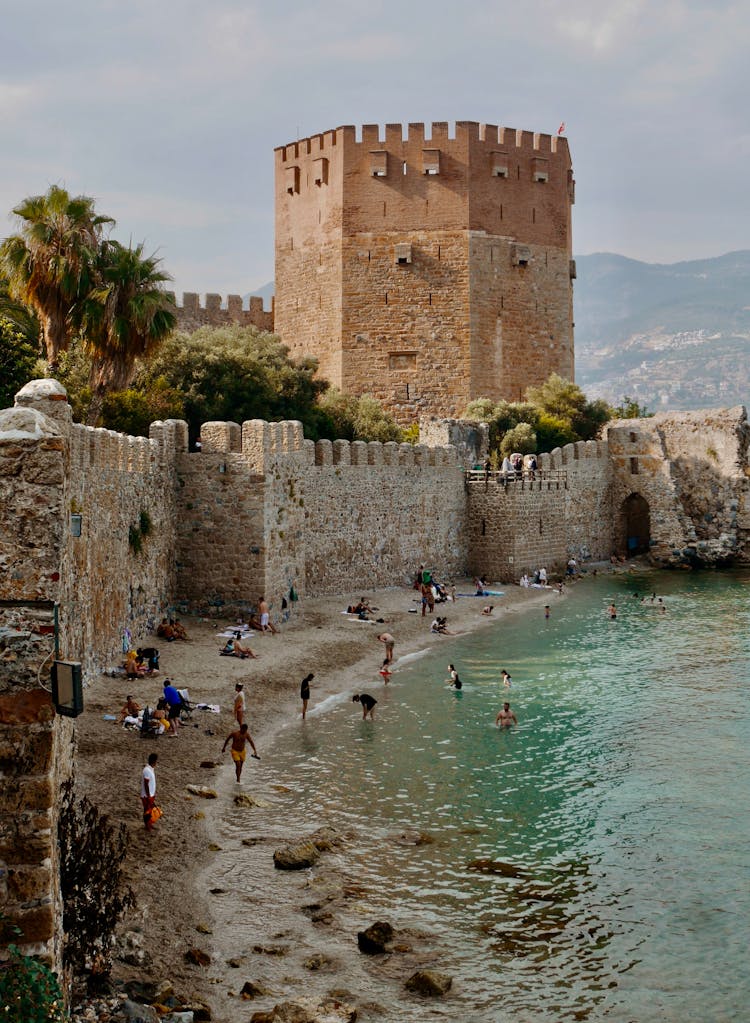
x,y
612,611
304,692
368,704
506,679
454,681
239,754
505,717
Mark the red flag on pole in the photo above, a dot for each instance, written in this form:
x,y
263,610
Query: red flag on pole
x,y
561,129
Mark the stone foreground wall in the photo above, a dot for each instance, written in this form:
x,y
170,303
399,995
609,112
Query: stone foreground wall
x,y
92,586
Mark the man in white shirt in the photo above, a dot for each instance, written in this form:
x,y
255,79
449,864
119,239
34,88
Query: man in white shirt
x,y
148,791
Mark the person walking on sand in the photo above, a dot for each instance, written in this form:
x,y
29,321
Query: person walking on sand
x,y
505,717
304,692
368,704
506,679
148,791
389,641
239,738
239,704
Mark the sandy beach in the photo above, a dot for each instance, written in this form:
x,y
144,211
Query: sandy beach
x,y
166,868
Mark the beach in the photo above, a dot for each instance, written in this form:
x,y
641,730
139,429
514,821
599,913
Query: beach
x,y
167,869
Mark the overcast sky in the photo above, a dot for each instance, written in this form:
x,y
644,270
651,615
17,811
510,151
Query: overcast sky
x,y
168,112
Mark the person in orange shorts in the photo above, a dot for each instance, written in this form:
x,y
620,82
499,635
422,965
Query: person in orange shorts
x,y
239,739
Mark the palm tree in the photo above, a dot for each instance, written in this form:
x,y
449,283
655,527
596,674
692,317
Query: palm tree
x,y
48,264
123,318
21,318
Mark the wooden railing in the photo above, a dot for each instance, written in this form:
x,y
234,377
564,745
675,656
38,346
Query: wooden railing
x,y
537,479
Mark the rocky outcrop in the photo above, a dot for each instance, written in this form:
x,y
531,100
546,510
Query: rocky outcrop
x,y
429,982
298,856
375,939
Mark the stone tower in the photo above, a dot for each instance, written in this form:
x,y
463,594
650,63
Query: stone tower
x,y
427,270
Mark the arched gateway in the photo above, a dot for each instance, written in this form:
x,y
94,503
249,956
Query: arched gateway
x,y
636,523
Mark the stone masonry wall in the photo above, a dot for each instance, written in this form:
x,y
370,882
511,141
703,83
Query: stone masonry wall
x,y
51,469
527,524
374,512
191,314
692,470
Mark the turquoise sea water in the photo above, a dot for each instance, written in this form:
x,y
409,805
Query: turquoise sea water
x,y
616,814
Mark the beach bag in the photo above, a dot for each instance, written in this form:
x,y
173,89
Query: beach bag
x,y
155,814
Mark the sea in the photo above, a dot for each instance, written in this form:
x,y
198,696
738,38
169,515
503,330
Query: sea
x,y
590,863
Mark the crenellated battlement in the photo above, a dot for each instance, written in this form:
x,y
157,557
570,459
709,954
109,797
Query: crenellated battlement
x,y
374,453
565,457
215,312
438,133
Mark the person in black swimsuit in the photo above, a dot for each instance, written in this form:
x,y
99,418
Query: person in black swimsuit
x,y
304,692
368,704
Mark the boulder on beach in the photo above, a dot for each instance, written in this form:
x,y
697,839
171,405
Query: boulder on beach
x,y
375,939
296,857
429,982
330,1011
325,838
253,989
198,957
245,799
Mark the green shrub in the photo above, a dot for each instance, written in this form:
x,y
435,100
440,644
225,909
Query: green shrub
x,y
29,991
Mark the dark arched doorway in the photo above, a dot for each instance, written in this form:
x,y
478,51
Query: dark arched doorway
x,y
637,523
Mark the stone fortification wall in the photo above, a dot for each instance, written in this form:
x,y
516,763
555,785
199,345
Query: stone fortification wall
x,y
51,470
216,313
526,524
691,469
376,511
241,514
470,439
262,510
425,268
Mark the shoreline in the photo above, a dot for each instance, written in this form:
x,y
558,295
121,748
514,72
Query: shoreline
x,y
186,848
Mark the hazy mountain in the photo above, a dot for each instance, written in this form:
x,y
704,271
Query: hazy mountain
x,y
673,336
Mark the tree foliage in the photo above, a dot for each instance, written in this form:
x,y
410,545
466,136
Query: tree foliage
x,y
629,408
359,418
18,357
521,438
557,412
49,262
125,315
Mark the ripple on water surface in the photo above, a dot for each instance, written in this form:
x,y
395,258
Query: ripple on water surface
x,y
590,864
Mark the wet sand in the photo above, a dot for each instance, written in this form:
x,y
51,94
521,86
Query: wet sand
x,y
170,869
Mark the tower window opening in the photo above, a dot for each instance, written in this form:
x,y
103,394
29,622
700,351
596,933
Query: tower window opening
x,y
484,527
634,466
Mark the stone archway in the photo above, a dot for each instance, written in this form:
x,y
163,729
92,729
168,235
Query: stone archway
x,y
636,523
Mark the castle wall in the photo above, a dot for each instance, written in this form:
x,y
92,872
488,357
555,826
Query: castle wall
x,y
527,524
691,468
426,269
50,470
376,511
191,315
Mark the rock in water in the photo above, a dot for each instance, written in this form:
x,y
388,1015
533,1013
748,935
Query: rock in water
x,y
374,940
296,857
330,1011
429,982
203,791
